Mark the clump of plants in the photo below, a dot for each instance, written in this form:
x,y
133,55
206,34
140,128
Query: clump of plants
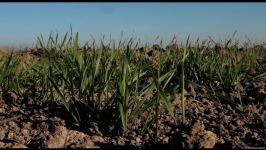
x,y
121,84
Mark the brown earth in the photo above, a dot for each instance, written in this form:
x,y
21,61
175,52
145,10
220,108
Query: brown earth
x,y
2,52
26,122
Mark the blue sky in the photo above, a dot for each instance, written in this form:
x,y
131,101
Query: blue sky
x,y
21,23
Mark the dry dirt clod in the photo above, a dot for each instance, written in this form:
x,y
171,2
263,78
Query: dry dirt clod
x,y
15,109
262,92
255,135
33,132
75,135
11,123
166,140
133,142
2,110
254,109
209,140
57,139
20,139
197,127
237,143
83,140
12,145
113,141
98,139
44,127
121,141
27,125
10,136
25,132
239,123
138,140
226,118
2,133
200,137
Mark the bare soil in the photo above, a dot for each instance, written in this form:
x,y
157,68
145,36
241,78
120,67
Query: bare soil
x,y
2,52
26,122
